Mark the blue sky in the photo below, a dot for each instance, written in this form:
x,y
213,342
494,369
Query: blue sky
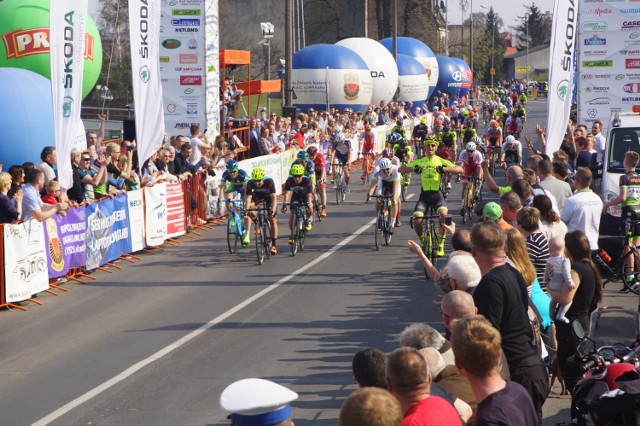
x,y
508,14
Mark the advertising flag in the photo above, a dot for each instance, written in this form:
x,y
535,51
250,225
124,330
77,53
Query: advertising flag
x,y
561,70
144,30
67,24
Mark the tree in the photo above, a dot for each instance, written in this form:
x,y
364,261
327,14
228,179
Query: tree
x,y
534,28
493,39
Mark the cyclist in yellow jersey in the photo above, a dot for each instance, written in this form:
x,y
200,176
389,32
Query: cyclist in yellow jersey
x,y
430,168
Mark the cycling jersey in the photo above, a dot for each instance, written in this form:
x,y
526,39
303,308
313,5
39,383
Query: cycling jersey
x,y
368,141
448,139
319,162
443,152
493,134
263,193
513,125
394,176
420,131
309,167
631,204
430,178
299,190
342,150
401,153
470,161
400,130
467,134
512,147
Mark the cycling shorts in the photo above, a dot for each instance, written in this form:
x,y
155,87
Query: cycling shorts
x,y
429,199
388,187
342,159
469,170
633,213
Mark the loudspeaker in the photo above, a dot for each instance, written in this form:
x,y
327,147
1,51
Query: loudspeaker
x,y
290,111
128,129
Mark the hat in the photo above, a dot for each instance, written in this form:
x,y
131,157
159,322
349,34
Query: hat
x,y
492,210
257,402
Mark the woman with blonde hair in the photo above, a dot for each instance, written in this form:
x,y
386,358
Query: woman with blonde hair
x,y
516,251
9,212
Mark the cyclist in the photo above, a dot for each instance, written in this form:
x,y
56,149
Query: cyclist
x,y
430,168
368,140
399,128
386,153
438,124
513,125
449,139
304,160
511,152
298,188
468,131
629,198
522,99
339,155
388,183
470,160
232,183
420,132
320,166
261,190
493,135
402,150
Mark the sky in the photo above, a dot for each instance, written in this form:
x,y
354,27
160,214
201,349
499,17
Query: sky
x,y
508,14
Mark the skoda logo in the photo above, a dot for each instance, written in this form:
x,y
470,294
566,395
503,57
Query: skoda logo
x,y
457,76
144,74
67,106
563,89
620,77
592,112
188,91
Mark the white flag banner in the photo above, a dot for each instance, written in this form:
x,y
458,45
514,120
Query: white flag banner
x,y
144,31
561,70
68,19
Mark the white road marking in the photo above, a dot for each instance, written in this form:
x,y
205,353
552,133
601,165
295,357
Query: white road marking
x,y
189,337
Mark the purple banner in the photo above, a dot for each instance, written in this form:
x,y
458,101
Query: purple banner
x,y
65,238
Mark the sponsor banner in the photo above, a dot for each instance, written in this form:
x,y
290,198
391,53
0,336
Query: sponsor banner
x,y
144,31
25,260
274,165
65,239
176,223
108,227
136,219
155,203
183,67
562,51
68,19
212,60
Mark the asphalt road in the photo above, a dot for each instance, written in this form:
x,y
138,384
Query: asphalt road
x,y
157,341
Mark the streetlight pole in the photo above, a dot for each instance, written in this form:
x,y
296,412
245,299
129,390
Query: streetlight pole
x,y
526,16
288,50
267,33
471,40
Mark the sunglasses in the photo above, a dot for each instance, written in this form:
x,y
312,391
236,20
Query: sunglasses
x,y
86,159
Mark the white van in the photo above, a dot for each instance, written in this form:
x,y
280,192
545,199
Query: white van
x,y
623,135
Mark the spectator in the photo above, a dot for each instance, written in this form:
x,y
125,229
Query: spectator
x,y
586,151
89,178
181,162
528,223
10,208
511,205
421,335
254,136
600,141
501,296
114,177
17,180
49,161
371,407
258,402
409,380
584,297
32,205
559,189
551,224
368,368
75,192
512,174
150,173
582,210
197,141
492,211
265,146
476,345
53,193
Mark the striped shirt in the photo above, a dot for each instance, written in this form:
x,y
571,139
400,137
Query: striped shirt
x,y
538,249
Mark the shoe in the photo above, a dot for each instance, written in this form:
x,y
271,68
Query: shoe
x,y
331,181
347,190
323,212
398,223
291,241
440,252
462,212
448,185
233,222
308,226
273,250
367,200
361,177
245,239
422,240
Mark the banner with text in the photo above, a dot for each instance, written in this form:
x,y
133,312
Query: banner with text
x,y
561,70
136,219
212,55
155,205
25,260
182,65
67,24
65,238
176,223
144,32
107,231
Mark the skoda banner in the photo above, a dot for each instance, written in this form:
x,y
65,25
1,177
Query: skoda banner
x,y
68,20
561,70
144,30
608,60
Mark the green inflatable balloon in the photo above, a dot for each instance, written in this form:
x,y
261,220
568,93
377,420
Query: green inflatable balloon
x,y
24,41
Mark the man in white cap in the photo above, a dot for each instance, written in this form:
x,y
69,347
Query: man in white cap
x,y
258,402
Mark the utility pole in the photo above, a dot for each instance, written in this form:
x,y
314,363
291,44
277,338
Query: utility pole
x,y
366,18
288,48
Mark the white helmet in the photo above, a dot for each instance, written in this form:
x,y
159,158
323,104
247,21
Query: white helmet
x,y
339,136
385,164
471,146
476,140
509,139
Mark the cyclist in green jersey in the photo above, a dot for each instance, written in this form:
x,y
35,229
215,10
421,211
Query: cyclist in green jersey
x,y
430,168
449,138
399,128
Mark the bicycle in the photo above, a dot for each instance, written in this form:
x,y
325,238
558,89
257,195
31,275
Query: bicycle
x,y
444,181
235,224
405,181
418,147
368,164
317,202
339,184
630,277
470,197
262,233
430,238
384,221
492,154
298,231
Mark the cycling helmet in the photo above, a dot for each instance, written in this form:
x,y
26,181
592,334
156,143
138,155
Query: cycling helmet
x,y
385,164
258,173
476,140
431,140
509,139
387,153
367,127
446,128
339,137
403,143
399,122
232,166
303,155
470,146
494,124
438,122
465,112
423,121
297,170
312,150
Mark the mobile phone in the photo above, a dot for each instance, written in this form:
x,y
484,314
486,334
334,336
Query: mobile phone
x,y
448,220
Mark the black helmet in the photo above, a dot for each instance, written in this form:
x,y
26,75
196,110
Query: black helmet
x,y
446,128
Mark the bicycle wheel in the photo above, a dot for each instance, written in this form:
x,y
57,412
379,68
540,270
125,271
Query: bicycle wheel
x,y
465,204
294,236
339,188
631,274
471,200
379,229
302,233
260,251
435,241
232,233
403,189
317,207
387,227
267,242
492,165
